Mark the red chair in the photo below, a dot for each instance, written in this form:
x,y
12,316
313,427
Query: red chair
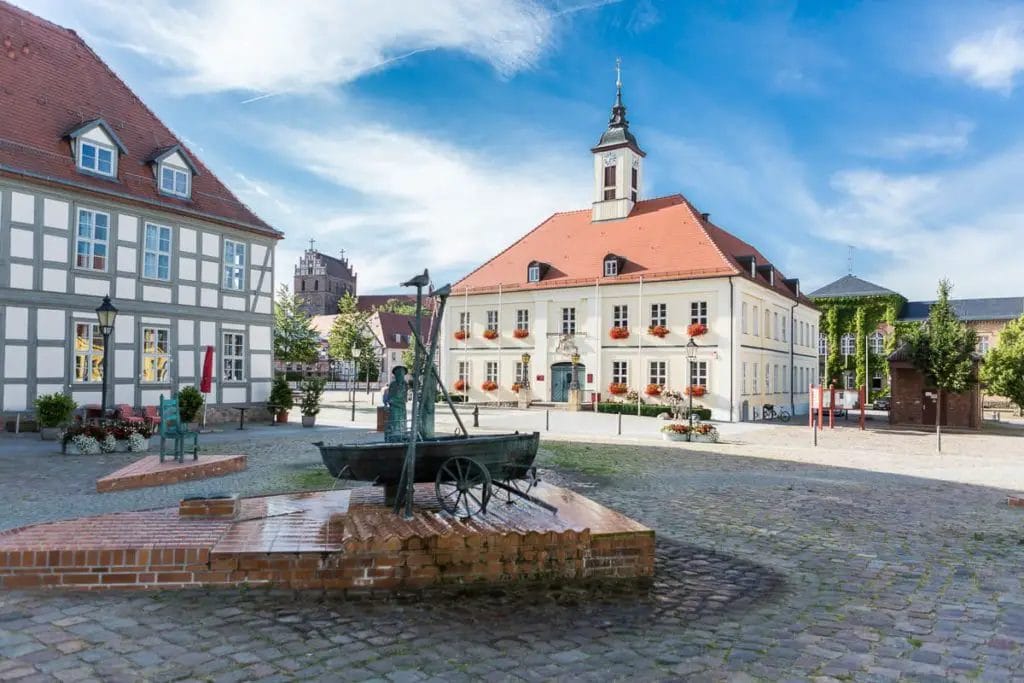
x,y
126,413
152,414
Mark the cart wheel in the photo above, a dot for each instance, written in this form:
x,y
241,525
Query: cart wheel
x,y
463,487
524,485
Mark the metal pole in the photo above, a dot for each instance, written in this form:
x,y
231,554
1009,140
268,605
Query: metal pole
x,y
620,424
689,417
106,371
547,420
815,429
352,392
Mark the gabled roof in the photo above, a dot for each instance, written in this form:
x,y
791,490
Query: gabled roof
x,y
850,285
661,239
1004,308
162,154
97,123
53,84
392,324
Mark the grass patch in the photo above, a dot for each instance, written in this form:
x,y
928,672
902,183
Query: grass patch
x,y
313,478
598,460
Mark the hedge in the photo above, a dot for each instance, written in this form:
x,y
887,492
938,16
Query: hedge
x,y
647,410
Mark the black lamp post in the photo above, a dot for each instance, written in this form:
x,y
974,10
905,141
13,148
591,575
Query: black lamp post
x,y
691,355
106,314
355,378
524,383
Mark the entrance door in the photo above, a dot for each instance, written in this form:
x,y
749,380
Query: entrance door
x,y
561,378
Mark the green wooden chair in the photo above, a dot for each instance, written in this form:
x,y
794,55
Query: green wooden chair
x,y
173,429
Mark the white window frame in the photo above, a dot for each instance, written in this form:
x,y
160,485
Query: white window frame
x,y
620,315
659,315
234,271
822,344
491,371
776,317
464,371
768,324
156,253
848,344
699,373
175,172
91,241
743,317
754,379
984,344
699,312
523,319
876,342
743,378
569,320
153,355
533,273
492,320
657,372
92,358
98,147
757,321
620,372
880,376
611,267
785,334
767,378
233,363
465,321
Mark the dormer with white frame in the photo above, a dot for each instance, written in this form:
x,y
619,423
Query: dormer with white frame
x,y
96,148
174,171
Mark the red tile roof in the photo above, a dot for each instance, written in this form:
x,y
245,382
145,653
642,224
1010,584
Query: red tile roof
x,y
51,82
392,324
661,239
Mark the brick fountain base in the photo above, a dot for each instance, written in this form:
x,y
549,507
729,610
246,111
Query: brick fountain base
x,y
346,541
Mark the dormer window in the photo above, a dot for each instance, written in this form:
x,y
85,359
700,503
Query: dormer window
x,y
176,181
174,171
613,265
535,271
96,158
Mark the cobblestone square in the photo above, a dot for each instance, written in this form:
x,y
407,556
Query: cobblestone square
x,y
767,569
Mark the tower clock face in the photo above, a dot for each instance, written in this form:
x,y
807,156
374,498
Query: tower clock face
x,y
636,162
610,158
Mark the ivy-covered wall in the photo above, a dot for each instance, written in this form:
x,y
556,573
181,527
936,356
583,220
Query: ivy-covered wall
x,y
859,316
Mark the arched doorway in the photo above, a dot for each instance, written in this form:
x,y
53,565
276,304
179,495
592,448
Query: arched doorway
x,y
561,378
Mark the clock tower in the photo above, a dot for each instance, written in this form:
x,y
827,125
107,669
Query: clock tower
x,y
618,163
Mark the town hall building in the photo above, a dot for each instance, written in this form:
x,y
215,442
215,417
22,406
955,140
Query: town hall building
x,y
615,293
99,198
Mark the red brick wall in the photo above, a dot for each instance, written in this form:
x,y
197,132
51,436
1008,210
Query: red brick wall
x,y
908,386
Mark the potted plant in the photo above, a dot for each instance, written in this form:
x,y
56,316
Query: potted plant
x,y
121,431
280,400
80,439
312,391
674,431
490,334
520,333
190,400
489,385
696,329
705,433
653,390
617,388
138,439
461,334
659,331
53,412
619,333
460,385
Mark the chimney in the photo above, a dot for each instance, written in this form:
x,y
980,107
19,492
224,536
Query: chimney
x,y
705,217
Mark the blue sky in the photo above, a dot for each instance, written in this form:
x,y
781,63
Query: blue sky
x,y
414,138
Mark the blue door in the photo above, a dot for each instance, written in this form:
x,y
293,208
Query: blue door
x,y
561,378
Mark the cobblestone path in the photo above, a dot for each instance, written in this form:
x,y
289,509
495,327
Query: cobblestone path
x,y
766,570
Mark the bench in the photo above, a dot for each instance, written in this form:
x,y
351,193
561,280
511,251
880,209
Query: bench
x,y
173,429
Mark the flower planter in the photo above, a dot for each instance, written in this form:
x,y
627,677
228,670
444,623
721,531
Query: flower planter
x,y
659,331
490,334
489,386
309,420
619,333
460,385
142,446
617,389
460,335
705,438
697,329
49,433
673,436
281,417
520,333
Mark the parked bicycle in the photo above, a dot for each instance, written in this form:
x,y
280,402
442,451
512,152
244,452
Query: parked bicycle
x,y
770,412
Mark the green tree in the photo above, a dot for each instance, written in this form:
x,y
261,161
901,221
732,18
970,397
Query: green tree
x,y
295,340
398,306
350,331
943,350
1003,369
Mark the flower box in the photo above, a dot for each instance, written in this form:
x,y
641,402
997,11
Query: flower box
x,y
696,329
696,390
516,387
460,385
490,334
489,385
673,436
460,334
658,331
520,333
617,388
653,390
619,333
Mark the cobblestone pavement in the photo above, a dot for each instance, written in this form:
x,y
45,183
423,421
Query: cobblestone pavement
x,y
766,570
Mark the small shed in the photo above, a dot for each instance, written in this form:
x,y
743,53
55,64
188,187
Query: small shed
x,y
915,398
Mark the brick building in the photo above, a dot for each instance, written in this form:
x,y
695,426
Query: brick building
x,y
915,400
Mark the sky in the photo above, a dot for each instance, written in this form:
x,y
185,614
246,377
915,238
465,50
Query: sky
x,y
412,134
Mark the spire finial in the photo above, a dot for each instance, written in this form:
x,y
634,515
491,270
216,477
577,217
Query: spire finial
x,y
312,244
618,74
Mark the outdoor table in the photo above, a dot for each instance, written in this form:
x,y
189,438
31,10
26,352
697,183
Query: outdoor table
x,y
241,416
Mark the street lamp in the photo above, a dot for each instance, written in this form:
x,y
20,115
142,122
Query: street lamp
x,y
691,355
106,314
525,380
355,376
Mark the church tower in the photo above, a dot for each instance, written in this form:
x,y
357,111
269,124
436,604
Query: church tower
x,y
618,163
321,281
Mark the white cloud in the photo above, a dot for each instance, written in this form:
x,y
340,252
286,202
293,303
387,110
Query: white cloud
x,y
306,45
991,59
926,143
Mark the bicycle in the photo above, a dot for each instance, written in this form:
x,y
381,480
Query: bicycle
x,y
770,412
